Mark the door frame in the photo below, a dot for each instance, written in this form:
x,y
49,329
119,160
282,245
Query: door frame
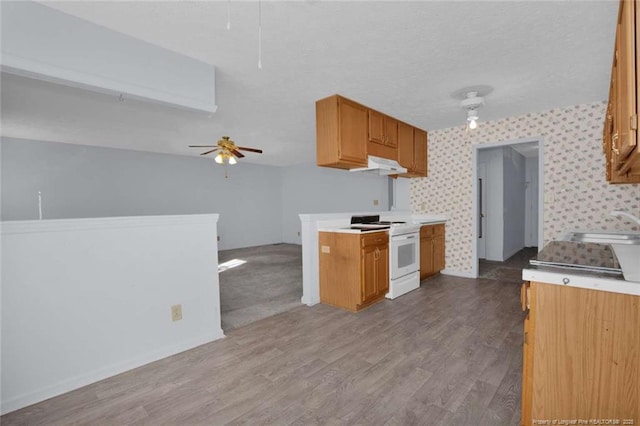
x,y
474,190
481,167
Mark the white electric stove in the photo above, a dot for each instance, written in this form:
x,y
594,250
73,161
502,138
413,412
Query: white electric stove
x,y
404,252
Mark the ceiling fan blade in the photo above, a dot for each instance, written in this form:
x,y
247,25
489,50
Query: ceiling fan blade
x,y
209,152
259,151
202,146
237,153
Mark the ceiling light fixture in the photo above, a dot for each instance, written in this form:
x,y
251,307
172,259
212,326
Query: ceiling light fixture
x,y
471,99
471,104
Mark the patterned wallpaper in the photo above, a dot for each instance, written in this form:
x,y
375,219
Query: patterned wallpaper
x,y
574,176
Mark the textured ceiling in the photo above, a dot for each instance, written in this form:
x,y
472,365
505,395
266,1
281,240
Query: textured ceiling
x,y
403,58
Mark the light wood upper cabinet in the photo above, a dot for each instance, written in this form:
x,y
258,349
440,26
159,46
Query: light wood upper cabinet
x,y
341,133
354,269
626,76
406,155
580,354
383,129
412,150
348,132
420,151
620,136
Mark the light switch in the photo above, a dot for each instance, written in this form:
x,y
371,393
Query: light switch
x,y
326,249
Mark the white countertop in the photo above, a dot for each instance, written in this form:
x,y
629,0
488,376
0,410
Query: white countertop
x,y
588,280
342,224
351,231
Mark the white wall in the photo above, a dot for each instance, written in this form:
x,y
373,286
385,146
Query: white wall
x,y
401,191
310,189
531,202
86,181
84,299
514,202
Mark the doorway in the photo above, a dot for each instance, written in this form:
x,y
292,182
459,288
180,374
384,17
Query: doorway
x,y
507,199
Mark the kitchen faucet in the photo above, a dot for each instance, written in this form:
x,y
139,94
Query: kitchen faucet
x,y
619,213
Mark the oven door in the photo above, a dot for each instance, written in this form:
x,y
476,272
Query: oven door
x,y
404,254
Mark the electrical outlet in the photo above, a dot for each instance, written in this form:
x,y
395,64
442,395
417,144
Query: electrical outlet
x,y
298,233
218,237
176,312
376,202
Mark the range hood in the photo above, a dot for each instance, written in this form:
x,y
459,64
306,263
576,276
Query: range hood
x,y
381,166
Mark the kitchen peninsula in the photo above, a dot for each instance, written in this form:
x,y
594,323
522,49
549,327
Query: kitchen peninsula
x,y
313,224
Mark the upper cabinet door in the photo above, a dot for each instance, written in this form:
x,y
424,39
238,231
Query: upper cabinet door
x,y
420,151
405,146
353,132
376,127
390,132
383,129
626,81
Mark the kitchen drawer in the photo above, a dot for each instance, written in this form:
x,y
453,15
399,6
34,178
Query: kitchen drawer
x,y
375,238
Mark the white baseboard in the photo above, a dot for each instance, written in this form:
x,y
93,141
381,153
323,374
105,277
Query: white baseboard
x,y
68,385
454,273
307,301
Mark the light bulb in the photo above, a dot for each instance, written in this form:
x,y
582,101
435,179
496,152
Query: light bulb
x,y
232,160
473,124
219,159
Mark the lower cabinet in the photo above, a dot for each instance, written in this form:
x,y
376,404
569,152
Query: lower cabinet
x,y
581,355
431,250
354,268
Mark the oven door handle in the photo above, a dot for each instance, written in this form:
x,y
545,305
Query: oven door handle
x,y
403,237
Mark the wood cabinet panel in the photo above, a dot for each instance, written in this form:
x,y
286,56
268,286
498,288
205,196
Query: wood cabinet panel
x,y
438,253
432,250
412,150
348,132
382,278
420,152
390,131
581,354
341,133
353,268
526,295
383,129
626,76
405,146
426,257
376,127
620,135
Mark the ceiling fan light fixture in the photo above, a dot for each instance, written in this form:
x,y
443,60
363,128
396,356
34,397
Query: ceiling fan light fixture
x,y
232,160
219,159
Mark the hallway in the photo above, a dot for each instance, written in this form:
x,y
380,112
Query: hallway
x,y
510,269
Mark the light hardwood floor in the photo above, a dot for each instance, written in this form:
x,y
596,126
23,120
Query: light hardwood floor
x,y
449,353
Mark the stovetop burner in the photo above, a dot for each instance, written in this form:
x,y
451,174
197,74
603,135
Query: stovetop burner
x,y
369,227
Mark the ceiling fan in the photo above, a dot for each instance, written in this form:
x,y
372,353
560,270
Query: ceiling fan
x,y
227,150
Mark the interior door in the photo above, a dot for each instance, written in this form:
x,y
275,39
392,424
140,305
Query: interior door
x,y
482,210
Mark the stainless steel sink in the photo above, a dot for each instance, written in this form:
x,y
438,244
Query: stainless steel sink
x,y
604,238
